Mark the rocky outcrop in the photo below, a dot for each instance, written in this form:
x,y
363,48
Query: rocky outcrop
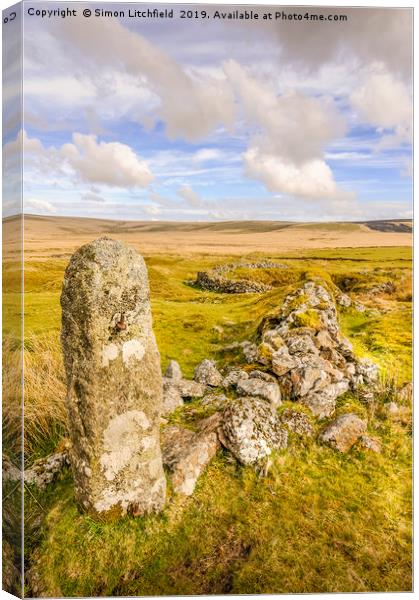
x,y
114,382
250,429
45,470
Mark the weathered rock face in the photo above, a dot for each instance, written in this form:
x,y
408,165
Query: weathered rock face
x,y
250,429
114,382
344,432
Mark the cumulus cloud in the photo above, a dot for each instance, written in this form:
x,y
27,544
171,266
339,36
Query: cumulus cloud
x,y
109,163
384,101
86,159
190,107
39,205
191,197
311,179
292,130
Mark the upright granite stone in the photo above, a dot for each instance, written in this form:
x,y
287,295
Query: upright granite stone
x,y
114,382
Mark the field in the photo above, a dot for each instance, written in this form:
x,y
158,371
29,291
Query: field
x,y
320,521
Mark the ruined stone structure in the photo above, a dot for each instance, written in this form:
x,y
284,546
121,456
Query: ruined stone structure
x,y
114,396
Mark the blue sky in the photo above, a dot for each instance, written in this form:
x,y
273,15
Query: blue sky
x,y
210,120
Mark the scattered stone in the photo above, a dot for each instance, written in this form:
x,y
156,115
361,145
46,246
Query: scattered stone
x,y
342,433
217,329
173,371
367,370
256,374
172,398
358,306
406,392
9,471
208,374
282,361
344,300
233,377
369,443
268,390
45,470
114,381
392,408
250,351
297,422
191,389
187,454
301,344
250,429
215,400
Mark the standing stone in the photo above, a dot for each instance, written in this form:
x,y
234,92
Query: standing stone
x,y
114,382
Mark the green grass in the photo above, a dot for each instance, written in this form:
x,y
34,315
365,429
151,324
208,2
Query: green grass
x,y
320,521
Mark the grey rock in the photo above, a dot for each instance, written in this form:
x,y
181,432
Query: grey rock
x,y
256,374
215,400
250,429
114,382
208,374
342,433
191,389
369,443
322,403
301,344
344,300
45,470
172,398
173,370
187,454
297,422
263,389
282,361
233,377
368,370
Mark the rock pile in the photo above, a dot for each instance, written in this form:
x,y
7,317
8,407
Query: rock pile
x,y
303,346
217,283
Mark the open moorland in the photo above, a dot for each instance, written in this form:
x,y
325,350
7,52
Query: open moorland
x,y
320,520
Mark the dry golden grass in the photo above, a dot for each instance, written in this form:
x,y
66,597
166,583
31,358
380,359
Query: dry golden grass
x,y
60,236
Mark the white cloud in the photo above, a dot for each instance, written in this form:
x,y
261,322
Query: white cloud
x,y
39,205
206,155
384,101
86,159
311,179
109,163
188,194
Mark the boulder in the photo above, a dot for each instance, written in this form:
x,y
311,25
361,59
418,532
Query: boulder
x,y
268,390
208,374
172,398
322,403
114,381
44,470
250,429
342,433
190,389
186,454
173,371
